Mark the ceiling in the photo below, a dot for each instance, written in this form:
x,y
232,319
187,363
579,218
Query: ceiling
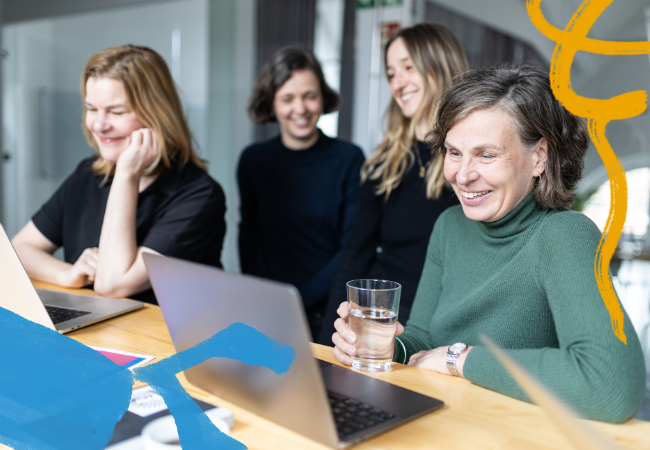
x,y
623,20
21,10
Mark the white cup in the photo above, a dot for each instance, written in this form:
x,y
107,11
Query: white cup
x,y
161,434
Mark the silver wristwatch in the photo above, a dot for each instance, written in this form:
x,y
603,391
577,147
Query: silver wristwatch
x,y
452,354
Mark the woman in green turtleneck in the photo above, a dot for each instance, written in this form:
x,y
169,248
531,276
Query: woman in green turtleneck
x,y
512,261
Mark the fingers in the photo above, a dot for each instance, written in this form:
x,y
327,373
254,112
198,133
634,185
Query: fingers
x,y
86,265
81,273
146,137
435,359
154,143
344,337
413,359
343,345
343,351
344,310
344,330
399,330
149,146
140,153
137,138
344,358
91,257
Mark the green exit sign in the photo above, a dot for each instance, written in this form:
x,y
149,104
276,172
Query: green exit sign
x,y
384,3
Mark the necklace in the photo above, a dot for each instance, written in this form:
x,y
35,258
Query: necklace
x,y
423,167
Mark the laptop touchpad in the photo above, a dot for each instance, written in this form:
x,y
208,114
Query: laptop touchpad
x,y
349,383
397,400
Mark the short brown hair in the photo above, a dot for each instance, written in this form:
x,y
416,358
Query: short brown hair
x,y
276,72
149,86
524,92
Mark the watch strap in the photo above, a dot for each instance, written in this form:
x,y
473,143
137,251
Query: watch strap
x,y
452,355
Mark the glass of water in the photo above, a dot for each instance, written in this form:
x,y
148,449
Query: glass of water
x,y
374,305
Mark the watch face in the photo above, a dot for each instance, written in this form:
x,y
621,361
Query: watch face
x,y
457,348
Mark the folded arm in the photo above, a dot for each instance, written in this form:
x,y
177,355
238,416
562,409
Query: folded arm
x,y
120,270
592,370
35,252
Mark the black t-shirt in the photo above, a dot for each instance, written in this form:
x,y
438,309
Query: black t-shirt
x,y
180,214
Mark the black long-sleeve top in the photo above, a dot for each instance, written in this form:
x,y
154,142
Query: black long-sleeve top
x,y
389,240
180,214
297,210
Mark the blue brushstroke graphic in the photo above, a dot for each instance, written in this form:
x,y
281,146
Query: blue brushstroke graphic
x,y
56,393
239,342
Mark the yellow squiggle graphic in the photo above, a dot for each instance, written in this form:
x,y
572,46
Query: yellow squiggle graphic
x,y
598,114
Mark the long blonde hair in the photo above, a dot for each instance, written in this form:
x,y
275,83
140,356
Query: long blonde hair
x,y
436,53
149,86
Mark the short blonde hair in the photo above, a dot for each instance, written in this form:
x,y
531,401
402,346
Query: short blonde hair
x,y
150,89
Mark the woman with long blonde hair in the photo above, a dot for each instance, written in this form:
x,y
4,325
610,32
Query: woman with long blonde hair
x,y
404,188
145,189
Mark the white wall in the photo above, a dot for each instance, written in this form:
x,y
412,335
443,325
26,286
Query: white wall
x,y
209,46
328,39
232,73
371,91
51,53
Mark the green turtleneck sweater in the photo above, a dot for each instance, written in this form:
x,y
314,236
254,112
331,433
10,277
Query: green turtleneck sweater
x,y
527,281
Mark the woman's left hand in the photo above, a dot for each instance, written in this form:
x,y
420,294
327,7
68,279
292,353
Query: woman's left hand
x,y
140,153
436,360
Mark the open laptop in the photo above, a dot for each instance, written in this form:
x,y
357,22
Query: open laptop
x,y
327,403
60,311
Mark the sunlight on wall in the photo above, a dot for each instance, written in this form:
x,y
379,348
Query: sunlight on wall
x,y
638,201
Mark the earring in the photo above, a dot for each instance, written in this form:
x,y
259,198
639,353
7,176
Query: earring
x,y
539,180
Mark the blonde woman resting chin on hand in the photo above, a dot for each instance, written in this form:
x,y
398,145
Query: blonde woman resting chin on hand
x,y
512,261
144,190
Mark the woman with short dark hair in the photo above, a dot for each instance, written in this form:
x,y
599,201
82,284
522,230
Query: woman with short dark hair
x,y
512,262
300,190
278,71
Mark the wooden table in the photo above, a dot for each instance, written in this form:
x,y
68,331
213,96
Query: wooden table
x,y
473,418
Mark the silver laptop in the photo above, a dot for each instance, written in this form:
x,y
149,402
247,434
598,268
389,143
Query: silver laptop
x,y
327,403
56,310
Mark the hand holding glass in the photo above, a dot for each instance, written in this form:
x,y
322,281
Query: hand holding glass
x,y
374,305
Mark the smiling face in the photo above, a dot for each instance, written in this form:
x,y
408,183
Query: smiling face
x,y
488,166
407,86
109,116
298,105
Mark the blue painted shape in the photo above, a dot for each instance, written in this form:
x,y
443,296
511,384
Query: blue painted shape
x,y
56,393
239,342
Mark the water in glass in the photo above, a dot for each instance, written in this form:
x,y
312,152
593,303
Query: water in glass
x,y
375,330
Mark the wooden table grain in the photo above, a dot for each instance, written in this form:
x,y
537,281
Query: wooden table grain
x,y
473,418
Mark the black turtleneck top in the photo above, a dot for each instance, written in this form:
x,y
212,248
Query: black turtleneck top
x,y
297,209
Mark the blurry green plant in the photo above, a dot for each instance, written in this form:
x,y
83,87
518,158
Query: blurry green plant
x,y
581,200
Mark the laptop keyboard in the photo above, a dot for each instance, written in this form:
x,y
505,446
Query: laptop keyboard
x,y
351,415
59,315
